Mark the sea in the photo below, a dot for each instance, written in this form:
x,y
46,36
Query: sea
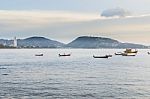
x,y
80,76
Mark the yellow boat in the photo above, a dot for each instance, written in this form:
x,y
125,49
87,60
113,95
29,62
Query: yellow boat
x,y
130,51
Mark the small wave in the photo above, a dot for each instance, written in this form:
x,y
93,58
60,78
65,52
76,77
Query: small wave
x,y
84,95
7,64
109,96
54,83
91,77
109,84
93,84
3,68
43,88
5,74
52,94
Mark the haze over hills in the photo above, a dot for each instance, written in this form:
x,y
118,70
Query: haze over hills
x,y
80,42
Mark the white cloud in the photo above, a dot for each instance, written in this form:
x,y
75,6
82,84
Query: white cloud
x,y
119,12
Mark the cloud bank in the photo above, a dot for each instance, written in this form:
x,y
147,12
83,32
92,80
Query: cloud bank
x,y
119,12
23,20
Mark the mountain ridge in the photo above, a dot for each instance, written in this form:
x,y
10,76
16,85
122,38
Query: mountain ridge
x,y
79,42
101,42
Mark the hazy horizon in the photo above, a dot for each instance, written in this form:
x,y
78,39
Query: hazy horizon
x,y
125,21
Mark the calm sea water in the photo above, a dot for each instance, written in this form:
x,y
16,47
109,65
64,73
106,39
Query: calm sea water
x,y
25,76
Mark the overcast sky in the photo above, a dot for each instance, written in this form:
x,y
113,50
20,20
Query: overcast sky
x,y
64,20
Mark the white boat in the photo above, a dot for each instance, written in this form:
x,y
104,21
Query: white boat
x,y
118,53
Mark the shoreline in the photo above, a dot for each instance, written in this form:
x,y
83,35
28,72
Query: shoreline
x,y
73,48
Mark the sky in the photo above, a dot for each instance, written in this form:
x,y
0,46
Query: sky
x,y
64,20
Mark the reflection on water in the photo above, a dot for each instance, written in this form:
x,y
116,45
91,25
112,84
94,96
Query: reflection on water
x,y
23,75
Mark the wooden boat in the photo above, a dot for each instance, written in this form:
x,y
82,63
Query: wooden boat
x,y
64,54
38,54
118,53
106,56
130,51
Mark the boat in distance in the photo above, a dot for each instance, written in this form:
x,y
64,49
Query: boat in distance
x,y
39,54
129,50
106,56
118,53
64,55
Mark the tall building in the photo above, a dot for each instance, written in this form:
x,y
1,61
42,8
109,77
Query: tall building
x,y
15,42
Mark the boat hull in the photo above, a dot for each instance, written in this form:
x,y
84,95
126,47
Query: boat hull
x,y
128,54
64,55
101,56
39,55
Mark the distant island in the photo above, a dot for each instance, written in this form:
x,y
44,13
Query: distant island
x,y
101,42
80,42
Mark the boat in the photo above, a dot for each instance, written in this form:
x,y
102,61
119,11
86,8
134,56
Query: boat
x,y
64,54
129,50
38,54
106,56
109,55
128,54
118,53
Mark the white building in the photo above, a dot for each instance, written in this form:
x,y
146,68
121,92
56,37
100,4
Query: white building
x,y
15,42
